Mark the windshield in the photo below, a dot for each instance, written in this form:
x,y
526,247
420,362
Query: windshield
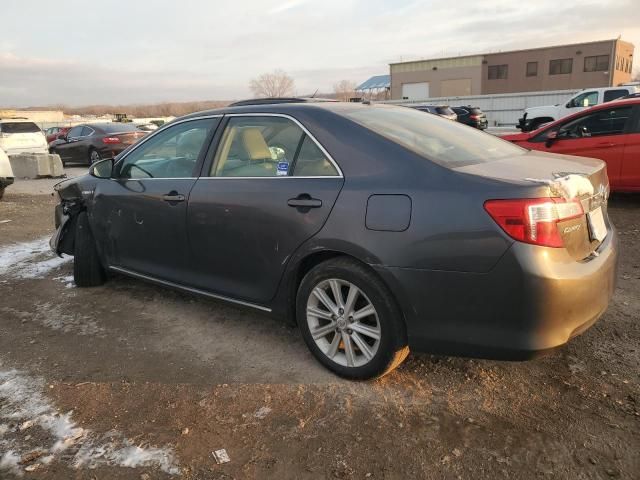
x,y
448,143
18,127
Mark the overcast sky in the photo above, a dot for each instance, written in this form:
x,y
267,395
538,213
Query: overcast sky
x,y
140,51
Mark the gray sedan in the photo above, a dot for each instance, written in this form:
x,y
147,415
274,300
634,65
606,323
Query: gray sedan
x,y
374,228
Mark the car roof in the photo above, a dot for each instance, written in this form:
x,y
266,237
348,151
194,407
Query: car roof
x,y
284,108
15,119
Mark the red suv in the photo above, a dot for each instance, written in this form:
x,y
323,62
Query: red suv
x,y
610,132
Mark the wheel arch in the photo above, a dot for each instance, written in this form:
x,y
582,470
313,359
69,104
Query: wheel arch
x,y
311,259
537,121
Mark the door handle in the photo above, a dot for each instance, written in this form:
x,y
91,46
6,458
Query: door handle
x,y
173,197
305,201
604,145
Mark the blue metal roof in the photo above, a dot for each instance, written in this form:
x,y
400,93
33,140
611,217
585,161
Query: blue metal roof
x,y
379,81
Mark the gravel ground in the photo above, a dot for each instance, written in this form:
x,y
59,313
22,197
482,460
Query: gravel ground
x,y
132,381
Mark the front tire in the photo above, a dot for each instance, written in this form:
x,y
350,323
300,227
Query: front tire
x,y
87,269
350,321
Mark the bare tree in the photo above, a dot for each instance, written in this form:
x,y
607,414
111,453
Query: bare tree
x,y
274,84
344,90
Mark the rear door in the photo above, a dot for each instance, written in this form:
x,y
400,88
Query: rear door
x,y
140,215
599,134
269,187
630,174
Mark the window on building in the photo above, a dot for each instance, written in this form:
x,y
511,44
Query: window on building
x,y
532,69
498,72
561,66
596,63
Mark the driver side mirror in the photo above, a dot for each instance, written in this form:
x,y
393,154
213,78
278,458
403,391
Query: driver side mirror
x,y
102,169
62,136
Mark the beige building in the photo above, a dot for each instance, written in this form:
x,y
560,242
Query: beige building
x,y
581,65
38,116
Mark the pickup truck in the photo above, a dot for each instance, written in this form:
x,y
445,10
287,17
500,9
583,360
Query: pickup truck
x,y
534,117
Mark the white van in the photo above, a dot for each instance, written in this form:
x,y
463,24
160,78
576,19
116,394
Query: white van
x,y
6,173
19,135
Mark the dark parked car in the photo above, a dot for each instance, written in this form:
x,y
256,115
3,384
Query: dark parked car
x,y
472,116
375,228
443,111
92,142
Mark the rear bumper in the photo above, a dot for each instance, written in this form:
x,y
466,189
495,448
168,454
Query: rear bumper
x,y
110,151
534,300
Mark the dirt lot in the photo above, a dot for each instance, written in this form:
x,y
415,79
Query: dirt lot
x,y
132,381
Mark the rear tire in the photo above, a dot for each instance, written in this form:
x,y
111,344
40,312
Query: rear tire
x,y
94,156
356,345
87,269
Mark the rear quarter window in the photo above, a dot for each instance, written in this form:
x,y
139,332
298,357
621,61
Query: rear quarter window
x,y
19,127
613,94
442,141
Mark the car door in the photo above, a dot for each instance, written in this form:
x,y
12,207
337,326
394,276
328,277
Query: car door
x,y
269,188
596,134
630,175
140,214
67,148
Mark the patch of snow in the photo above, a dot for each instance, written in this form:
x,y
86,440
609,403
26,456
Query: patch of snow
x,y
22,402
262,412
9,462
29,259
54,317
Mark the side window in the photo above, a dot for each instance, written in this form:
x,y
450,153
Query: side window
x,y
87,131
254,146
312,162
587,99
75,132
172,153
613,94
611,121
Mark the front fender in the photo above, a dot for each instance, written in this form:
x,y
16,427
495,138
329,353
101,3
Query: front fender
x,y
550,111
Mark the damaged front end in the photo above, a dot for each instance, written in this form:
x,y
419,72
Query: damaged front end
x,y
66,214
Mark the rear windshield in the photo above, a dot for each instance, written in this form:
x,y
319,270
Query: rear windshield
x,y
19,127
118,127
448,143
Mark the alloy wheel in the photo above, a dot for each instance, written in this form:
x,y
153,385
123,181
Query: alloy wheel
x,y
343,322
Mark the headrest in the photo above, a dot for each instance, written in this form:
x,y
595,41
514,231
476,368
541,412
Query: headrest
x,y
254,144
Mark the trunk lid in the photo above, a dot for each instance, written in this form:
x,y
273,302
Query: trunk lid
x,y
536,175
129,138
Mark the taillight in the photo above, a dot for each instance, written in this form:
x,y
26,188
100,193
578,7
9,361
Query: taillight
x,y
534,220
111,140
474,117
